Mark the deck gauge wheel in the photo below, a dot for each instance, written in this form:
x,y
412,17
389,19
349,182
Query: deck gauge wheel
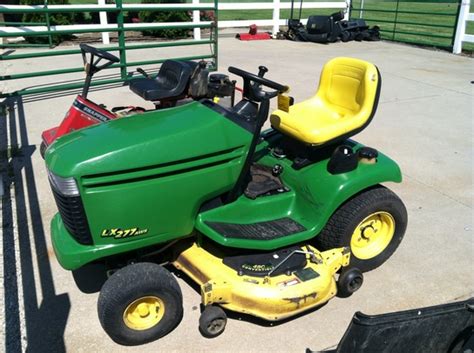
x,y
212,321
350,280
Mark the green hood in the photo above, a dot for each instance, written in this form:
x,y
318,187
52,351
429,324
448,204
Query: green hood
x,y
143,140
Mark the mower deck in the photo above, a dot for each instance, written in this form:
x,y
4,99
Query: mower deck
x,y
269,297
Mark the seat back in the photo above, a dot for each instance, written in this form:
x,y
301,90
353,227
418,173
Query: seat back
x,y
319,25
174,76
350,87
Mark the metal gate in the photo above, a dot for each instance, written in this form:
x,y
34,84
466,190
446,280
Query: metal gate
x,y
13,30
422,22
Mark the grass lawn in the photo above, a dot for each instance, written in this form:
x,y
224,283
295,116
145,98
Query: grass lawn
x,y
240,14
435,24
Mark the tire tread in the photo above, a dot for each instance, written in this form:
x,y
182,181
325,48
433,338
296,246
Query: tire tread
x,y
120,285
332,234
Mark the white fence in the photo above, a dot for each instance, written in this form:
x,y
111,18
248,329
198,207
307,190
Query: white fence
x,y
461,36
275,22
276,6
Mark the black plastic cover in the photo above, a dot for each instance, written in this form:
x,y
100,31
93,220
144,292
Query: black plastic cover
x,y
444,328
220,86
74,217
260,265
319,24
342,160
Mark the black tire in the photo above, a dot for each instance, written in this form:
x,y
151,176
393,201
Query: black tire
x,y
291,35
338,230
359,37
345,36
128,285
349,281
43,148
212,321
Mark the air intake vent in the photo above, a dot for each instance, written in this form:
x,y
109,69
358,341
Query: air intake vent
x,y
73,216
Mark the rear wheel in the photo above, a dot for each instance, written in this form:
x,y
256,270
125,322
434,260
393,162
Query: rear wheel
x,y
372,224
140,303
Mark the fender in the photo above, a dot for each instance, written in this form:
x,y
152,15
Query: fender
x,y
315,194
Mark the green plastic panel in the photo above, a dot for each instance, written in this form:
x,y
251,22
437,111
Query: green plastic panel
x,y
313,197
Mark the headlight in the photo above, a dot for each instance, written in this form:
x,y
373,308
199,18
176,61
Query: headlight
x,y
65,186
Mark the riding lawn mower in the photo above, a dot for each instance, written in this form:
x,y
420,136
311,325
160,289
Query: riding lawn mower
x,y
176,81
269,223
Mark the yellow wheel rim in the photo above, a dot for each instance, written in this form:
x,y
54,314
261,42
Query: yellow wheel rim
x,y
144,313
372,235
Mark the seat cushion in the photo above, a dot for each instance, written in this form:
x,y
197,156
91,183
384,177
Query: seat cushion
x,y
149,89
344,104
313,122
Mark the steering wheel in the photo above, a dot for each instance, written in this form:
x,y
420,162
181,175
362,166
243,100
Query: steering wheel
x,y
100,54
254,91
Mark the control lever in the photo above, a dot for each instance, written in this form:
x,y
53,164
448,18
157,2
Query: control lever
x,y
262,70
143,72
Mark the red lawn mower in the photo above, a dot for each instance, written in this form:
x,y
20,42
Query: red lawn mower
x,y
175,81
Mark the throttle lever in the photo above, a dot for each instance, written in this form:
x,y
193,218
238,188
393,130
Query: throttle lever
x,y
143,72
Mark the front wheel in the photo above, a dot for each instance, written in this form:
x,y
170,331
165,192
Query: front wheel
x,y
372,224
140,303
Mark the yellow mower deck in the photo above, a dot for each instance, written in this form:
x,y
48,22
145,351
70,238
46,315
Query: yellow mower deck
x,y
270,298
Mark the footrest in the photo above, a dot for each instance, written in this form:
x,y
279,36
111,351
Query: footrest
x,y
258,231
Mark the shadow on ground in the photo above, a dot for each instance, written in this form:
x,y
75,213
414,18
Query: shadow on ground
x,y
28,282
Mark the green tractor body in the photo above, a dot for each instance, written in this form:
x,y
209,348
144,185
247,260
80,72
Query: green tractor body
x,y
143,181
272,218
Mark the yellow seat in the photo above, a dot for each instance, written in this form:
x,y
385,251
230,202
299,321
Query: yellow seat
x,y
344,104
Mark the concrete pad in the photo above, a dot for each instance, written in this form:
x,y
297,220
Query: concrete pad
x,y
424,122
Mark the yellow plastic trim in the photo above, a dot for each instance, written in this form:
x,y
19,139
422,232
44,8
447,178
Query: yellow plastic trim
x,y
343,103
372,235
284,102
271,298
144,313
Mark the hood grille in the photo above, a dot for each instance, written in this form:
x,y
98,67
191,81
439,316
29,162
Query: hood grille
x,y
73,216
